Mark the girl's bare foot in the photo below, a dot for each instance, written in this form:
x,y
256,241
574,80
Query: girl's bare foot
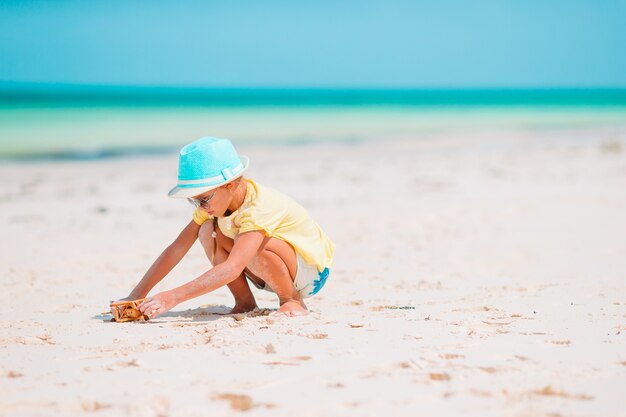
x,y
293,308
243,308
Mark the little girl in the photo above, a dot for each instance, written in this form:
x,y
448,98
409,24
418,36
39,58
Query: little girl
x,y
248,231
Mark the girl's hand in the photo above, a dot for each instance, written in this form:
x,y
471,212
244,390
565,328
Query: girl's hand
x,y
158,304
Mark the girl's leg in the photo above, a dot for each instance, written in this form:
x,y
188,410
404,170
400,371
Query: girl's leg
x,y
244,299
276,265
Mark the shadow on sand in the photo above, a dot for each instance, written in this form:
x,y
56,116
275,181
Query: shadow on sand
x,y
201,314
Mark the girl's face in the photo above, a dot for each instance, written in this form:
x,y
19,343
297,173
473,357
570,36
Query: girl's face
x,y
215,202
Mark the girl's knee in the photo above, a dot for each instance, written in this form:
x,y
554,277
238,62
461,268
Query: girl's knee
x,y
268,265
207,238
216,245
205,234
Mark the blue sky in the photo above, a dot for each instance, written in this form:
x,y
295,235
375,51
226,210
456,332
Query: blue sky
x,y
431,44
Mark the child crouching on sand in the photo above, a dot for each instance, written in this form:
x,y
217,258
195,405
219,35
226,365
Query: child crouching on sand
x,y
248,231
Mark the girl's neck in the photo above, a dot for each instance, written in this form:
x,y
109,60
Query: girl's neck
x,y
239,195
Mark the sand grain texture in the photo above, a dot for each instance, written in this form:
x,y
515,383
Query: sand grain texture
x,y
475,275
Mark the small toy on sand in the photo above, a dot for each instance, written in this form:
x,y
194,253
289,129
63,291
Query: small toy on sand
x,y
123,311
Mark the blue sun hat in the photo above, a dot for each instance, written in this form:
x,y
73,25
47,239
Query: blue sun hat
x,y
205,164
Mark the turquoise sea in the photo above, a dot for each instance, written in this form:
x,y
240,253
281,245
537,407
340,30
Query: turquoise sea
x,y
88,122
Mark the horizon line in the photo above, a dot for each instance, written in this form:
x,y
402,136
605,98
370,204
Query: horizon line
x,y
4,84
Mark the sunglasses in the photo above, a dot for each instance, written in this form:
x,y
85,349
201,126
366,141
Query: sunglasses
x,y
199,202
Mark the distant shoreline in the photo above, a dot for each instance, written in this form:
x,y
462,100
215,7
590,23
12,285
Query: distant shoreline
x,y
85,123
35,94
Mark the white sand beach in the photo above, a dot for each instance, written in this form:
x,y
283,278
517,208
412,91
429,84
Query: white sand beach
x,y
478,273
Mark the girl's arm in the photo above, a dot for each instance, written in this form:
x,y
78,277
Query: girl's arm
x,y
166,261
245,248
